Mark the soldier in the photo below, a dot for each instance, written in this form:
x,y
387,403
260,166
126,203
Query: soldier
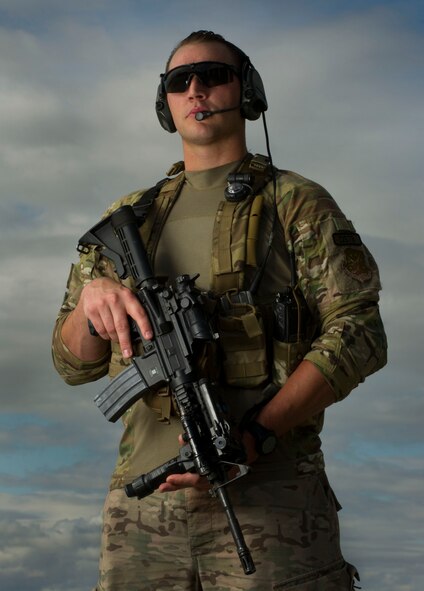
x,y
329,341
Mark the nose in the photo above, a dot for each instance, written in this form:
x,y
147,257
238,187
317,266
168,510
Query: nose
x,y
196,87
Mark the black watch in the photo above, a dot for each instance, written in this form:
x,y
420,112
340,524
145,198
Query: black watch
x,y
265,439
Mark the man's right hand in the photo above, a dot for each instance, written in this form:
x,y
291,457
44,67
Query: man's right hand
x,y
107,304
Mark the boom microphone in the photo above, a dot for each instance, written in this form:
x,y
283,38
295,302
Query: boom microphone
x,y
205,114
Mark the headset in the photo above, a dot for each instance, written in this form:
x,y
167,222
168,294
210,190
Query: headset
x,y
252,98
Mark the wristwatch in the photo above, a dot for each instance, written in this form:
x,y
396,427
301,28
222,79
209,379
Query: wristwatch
x,y
265,439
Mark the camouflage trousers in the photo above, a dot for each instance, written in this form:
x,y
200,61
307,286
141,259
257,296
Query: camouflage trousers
x,y
181,541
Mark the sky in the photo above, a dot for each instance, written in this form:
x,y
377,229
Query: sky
x,y
345,87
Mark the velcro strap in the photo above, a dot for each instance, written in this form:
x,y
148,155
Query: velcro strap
x,y
251,325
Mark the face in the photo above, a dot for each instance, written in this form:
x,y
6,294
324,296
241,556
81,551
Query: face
x,y
199,97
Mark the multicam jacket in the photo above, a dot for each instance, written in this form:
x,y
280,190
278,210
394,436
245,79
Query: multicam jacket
x,y
338,278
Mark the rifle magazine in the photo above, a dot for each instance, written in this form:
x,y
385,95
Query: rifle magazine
x,y
121,393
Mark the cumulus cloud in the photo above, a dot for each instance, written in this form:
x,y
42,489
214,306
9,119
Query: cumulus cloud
x,y
44,549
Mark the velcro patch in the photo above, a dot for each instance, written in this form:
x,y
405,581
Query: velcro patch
x,y
347,239
356,265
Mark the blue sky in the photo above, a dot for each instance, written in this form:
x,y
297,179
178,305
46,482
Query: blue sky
x,y
344,83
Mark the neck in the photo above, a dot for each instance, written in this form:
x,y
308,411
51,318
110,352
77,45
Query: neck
x,y
203,157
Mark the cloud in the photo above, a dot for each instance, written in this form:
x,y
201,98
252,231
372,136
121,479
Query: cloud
x,y
348,98
57,549
77,89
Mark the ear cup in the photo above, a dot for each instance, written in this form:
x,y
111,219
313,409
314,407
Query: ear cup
x,y
163,111
253,99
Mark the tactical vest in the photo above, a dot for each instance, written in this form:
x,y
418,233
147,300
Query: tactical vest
x,y
239,323
236,223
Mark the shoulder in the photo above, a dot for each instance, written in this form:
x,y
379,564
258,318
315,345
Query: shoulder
x,y
129,199
170,182
292,185
300,199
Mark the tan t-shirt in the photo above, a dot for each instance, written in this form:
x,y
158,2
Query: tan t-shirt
x,y
186,240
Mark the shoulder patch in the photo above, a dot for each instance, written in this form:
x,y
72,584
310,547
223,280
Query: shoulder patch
x,y
356,265
347,239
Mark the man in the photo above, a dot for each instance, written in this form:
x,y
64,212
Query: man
x,y
178,538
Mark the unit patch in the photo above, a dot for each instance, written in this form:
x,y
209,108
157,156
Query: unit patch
x,y
356,265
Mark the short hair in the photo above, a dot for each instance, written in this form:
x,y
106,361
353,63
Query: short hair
x,y
209,37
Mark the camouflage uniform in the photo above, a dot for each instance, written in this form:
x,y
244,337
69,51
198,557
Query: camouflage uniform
x,y
286,507
173,540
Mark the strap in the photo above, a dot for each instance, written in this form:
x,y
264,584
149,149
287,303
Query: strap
x,y
157,204
236,229
142,206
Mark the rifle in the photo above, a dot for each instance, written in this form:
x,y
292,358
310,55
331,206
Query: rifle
x,y
182,328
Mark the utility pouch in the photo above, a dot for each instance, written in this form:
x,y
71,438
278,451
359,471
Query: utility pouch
x,y
242,342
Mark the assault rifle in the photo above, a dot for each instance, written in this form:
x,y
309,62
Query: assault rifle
x,y
181,328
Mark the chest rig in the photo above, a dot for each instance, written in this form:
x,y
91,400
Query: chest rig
x,y
236,225
233,251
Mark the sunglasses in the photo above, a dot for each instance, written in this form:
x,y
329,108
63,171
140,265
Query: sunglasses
x,y
209,73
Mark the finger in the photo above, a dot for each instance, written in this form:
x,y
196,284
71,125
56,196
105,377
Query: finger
x,y
100,323
99,300
188,480
139,314
115,317
183,480
121,329
111,323
166,487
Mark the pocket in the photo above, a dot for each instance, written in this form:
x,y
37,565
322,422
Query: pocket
x,y
286,358
243,345
333,578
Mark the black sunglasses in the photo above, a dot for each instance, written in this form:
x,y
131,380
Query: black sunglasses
x,y
209,73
